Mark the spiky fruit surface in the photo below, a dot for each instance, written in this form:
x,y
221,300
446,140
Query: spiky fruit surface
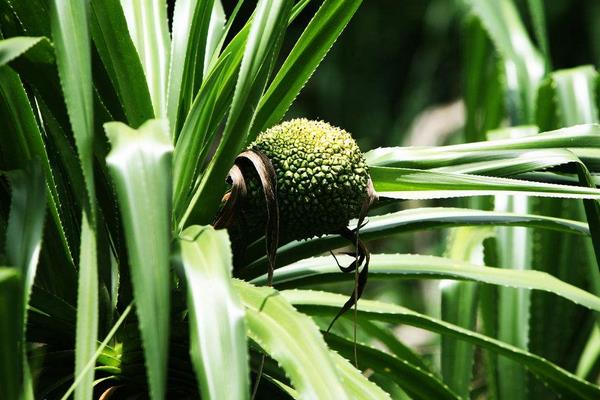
x,y
321,177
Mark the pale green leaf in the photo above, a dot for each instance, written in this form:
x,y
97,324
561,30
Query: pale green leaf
x,y
70,34
357,386
87,308
149,31
405,183
293,340
140,166
217,331
576,89
324,269
15,47
574,137
191,21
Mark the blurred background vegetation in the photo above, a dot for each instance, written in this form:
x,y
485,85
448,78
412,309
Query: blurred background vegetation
x,y
399,59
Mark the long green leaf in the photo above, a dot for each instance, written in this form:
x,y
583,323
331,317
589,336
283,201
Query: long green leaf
x,y
121,60
394,346
567,99
419,384
217,331
538,18
87,307
140,166
579,136
405,183
576,89
564,382
324,269
293,340
24,231
407,221
216,31
71,40
191,20
308,52
194,141
70,34
590,355
149,31
516,163
483,80
28,143
354,382
23,244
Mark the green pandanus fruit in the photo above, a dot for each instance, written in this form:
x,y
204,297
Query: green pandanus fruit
x,y
297,180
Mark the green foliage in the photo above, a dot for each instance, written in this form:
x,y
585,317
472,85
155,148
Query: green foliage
x,y
217,329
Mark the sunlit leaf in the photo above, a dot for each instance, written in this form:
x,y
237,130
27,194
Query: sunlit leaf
x,y
70,35
293,340
405,183
140,165
191,20
217,331
149,31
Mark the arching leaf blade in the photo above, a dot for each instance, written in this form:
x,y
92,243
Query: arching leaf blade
x,y
293,340
402,222
419,384
564,382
